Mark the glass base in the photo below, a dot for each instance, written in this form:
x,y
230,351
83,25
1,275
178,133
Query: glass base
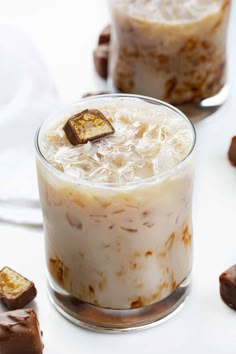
x,y
107,320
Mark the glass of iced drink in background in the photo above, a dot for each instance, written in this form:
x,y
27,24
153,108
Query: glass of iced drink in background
x,y
117,213
171,50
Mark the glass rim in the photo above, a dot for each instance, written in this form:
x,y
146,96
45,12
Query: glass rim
x,y
113,185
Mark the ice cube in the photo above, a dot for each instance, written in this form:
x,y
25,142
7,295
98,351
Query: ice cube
x,y
148,147
163,133
104,174
86,163
166,159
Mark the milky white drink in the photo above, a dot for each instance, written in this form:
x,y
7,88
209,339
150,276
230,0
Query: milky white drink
x,y
174,50
117,211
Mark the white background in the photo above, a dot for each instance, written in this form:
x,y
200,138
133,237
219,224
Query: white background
x,y
65,33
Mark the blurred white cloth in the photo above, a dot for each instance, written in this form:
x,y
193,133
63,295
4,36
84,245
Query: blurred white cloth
x,y
27,97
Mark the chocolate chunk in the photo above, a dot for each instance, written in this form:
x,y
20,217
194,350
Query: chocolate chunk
x,y
100,57
105,35
232,151
90,94
228,287
20,333
87,125
16,291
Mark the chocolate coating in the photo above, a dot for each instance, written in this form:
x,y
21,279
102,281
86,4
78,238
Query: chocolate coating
x,y
20,333
228,287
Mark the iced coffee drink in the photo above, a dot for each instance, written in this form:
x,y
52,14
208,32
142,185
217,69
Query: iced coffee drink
x,y
117,212
172,50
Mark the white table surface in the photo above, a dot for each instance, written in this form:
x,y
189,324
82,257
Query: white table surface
x,y
65,32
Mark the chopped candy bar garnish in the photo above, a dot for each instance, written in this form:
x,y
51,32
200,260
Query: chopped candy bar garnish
x,y
20,332
15,290
228,287
87,125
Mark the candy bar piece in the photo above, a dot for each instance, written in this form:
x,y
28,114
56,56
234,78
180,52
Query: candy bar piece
x,y
20,333
232,151
105,35
228,287
100,57
16,291
87,125
90,94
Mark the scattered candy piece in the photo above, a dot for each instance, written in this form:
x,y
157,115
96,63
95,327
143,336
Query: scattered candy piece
x,y
100,57
15,290
228,287
232,151
20,333
87,125
105,35
101,53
